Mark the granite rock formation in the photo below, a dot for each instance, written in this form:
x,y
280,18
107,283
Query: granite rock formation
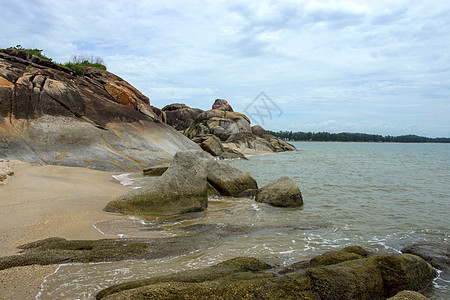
x,y
233,129
222,104
180,116
184,187
283,192
50,115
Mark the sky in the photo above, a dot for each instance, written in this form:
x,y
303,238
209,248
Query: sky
x,y
380,67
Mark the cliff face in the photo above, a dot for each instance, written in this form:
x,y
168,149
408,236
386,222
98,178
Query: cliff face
x,y
50,115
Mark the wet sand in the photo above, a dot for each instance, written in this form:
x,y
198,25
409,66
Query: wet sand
x,y
38,202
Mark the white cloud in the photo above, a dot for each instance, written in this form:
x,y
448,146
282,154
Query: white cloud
x,y
354,62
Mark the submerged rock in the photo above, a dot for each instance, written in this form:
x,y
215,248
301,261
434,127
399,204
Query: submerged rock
x,y
224,269
249,193
438,255
249,278
58,250
283,192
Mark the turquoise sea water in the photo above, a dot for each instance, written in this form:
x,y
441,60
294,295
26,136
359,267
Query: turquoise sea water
x,y
380,196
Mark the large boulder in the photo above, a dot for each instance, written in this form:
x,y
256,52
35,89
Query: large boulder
x,y
50,115
283,192
222,104
228,180
248,140
275,144
213,146
184,186
250,278
220,123
180,116
180,189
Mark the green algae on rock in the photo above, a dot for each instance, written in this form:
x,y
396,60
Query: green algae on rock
x,y
283,192
374,277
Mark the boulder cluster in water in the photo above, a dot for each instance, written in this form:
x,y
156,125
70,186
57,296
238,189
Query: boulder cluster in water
x,y
193,175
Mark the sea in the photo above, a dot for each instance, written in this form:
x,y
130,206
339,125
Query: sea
x,y
381,196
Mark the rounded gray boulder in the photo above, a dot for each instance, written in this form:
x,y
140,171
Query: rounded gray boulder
x,y
283,192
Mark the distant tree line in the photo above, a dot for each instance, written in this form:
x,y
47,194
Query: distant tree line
x,y
354,137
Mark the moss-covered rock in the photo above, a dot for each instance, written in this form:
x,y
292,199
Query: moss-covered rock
x,y
221,270
375,277
404,272
283,192
184,187
408,295
57,250
181,189
335,257
228,180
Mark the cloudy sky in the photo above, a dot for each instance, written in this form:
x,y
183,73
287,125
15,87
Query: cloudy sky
x,y
338,65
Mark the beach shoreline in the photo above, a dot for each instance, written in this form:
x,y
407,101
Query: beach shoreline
x,y
39,202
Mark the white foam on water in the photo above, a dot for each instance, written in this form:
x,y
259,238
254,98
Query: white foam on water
x,y
98,228
41,289
124,179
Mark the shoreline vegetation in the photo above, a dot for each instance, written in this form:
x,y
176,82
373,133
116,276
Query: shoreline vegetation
x,y
77,63
353,137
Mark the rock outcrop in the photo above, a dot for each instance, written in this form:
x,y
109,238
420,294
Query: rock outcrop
x,y
283,192
375,277
180,116
180,189
184,186
50,115
222,104
228,126
275,144
438,255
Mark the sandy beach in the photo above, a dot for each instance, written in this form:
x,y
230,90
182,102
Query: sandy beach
x,y
38,202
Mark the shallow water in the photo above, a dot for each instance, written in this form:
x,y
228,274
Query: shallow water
x,y
379,196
